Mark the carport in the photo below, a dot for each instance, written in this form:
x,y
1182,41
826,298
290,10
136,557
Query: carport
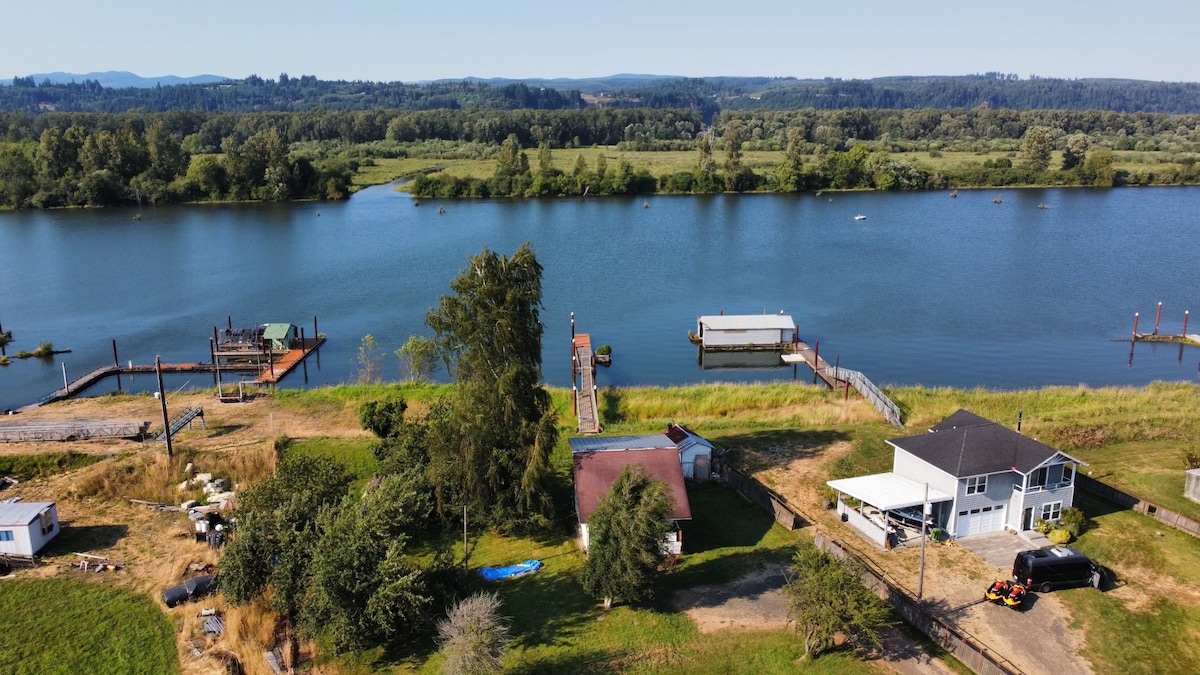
x,y
883,500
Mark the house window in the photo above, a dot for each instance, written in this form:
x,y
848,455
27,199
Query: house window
x,y
1038,478
977,485
1068,473
1051,512
6,535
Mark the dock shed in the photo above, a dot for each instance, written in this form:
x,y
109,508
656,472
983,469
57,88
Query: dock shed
x,y
746,331
279,336
25,527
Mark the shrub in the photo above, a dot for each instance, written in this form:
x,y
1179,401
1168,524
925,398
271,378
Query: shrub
x,y
1073,521
1042,526
1058,536
603,350
474,636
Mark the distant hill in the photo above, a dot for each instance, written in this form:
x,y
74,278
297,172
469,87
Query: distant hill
x,y
586,85
120,79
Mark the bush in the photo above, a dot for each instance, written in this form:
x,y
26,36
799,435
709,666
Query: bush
x,y
1073,521
1043,526
1058,536
474,636
603,350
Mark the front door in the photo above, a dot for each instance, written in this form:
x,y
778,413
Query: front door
x,y
1027,519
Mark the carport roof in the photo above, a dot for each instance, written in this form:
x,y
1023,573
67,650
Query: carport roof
x,y
887,491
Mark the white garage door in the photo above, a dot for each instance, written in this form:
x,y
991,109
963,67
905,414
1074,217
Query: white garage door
x,y
980,521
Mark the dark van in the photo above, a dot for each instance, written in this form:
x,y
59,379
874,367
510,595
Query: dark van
x,y
1046,570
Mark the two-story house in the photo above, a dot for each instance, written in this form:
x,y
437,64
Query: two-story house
x,y
981,477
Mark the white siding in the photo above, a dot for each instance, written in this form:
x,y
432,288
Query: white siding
x,y
733,338
688,457
915,469
28,539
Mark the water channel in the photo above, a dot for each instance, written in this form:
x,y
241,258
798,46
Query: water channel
x,y
927,290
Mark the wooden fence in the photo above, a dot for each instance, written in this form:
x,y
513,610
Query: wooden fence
x,y
1164,516
966,648
760,494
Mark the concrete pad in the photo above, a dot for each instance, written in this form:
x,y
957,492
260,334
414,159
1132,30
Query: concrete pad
x,y
996,548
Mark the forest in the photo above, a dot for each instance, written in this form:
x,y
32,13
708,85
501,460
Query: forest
x,y
59,159
709,95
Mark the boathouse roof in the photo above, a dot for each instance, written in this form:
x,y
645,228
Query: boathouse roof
x,y
277,331
748,322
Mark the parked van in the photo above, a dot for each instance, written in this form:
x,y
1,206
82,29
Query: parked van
x,y
1046,570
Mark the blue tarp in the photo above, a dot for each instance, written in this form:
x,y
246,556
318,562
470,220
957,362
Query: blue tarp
x,y
512,571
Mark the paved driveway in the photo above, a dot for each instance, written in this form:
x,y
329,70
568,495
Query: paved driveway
x,y
999,548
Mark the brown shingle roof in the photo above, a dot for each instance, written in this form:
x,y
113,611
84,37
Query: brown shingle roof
x,y
595,473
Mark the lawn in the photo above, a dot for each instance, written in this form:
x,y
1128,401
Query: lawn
x,y
1148,625
354,453
558,628
69,627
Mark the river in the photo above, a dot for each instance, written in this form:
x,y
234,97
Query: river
x,y
926,290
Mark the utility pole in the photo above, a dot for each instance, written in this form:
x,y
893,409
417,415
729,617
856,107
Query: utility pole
x,y
924,525
464,536
162,398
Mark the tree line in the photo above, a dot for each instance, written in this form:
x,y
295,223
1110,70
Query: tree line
x,y
708,95
71,159
286,94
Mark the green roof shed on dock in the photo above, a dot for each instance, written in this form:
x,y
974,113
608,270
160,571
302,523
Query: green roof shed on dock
x,y
279,336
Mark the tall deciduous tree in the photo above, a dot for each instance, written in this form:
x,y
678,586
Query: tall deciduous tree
x,y
418,358
492,453
733,157
826,597
1036,147
627,532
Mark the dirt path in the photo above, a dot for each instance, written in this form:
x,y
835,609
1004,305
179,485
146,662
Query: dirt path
x,y
756,602
954,577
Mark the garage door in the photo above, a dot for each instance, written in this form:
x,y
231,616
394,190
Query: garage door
x,y
980,521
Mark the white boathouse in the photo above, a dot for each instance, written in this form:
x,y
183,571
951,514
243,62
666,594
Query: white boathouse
x,y
745,331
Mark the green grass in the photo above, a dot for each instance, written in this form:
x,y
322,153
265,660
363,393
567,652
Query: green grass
x,y
666,162
57,626
325,400
1153,628
559,628
354,453
26,467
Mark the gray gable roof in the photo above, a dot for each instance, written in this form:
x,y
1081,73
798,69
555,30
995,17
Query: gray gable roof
x,y
966,444
605,443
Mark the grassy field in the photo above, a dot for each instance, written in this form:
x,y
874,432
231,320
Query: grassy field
x,y
25,467
69,627
559,628
354,453
660,163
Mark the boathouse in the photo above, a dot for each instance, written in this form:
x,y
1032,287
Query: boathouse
x,y
25,527
280,336
746,331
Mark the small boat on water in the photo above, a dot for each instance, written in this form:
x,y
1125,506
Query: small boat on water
x,y
860,217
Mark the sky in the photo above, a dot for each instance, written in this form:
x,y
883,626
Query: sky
x,y
406,40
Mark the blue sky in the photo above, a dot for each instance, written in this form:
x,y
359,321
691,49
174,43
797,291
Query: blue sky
x,y
408,41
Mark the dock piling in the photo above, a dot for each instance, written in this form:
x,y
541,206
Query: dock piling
x,y
1157,318
1185,320
1135,324
117,363
816,360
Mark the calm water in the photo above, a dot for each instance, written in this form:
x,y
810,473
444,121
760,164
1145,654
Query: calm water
x,y
928,290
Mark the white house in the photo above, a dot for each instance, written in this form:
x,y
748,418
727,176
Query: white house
x,y
981,477
25,527
747,331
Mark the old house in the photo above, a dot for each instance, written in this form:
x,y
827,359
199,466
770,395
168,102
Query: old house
x,y
597,471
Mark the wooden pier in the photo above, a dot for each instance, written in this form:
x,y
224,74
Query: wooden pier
x,y
269,373
802,353
583,382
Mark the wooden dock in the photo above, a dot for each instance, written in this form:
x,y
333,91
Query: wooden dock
x,y
802,353
271,373
587,410
277,370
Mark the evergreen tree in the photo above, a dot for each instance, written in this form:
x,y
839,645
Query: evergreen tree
x,y
826,596
627,532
